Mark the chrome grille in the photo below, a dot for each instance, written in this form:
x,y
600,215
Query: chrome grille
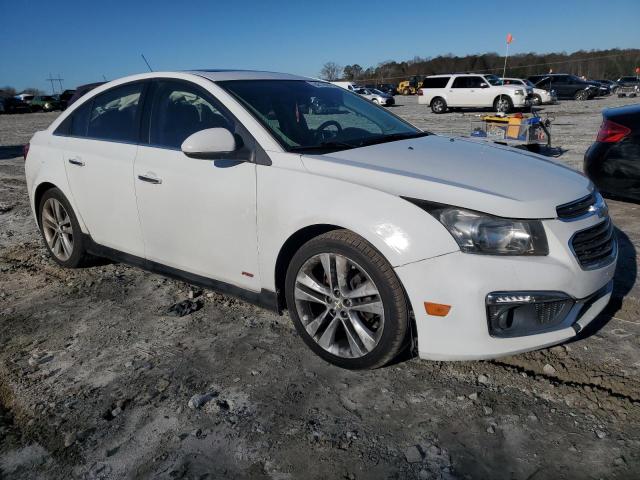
x,y
577,208
595,246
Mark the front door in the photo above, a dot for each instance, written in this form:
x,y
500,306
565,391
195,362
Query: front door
x,y
197,216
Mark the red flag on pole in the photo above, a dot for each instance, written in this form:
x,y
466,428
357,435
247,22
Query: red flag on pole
x,y
509,38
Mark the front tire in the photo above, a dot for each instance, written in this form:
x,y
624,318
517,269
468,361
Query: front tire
x,y
61,231
537,99
581,95
503,104
346,301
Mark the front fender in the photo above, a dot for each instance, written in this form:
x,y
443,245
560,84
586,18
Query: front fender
x,y
292,199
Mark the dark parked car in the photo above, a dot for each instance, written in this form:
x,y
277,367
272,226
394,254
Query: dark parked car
x,y
45,103
389,88
65,97
628,81
603,88
566,86
613,161
81,90
15,105
613,85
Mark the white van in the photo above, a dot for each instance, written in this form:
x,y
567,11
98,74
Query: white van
x,y
347,85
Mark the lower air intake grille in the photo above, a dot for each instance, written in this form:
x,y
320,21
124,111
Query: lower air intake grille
x,y
595,246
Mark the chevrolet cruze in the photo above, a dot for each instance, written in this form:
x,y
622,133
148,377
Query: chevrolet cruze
x,y
374,235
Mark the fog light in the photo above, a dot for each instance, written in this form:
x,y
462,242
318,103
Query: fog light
x,y
515,314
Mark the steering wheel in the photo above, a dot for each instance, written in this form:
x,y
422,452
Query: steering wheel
x,y
324,125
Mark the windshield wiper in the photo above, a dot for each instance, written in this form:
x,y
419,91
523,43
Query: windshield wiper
x,y
392,137
329,145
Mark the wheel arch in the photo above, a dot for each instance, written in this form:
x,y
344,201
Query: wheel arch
x,y
288,250
436,98
40,190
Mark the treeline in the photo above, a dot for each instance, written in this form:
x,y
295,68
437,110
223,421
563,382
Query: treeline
x,y
594,64
9,91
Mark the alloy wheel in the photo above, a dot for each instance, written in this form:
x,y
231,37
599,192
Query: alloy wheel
x,y
57,229
339,305
502,105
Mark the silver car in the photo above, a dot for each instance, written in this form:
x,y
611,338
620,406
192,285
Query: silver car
x,y
376,96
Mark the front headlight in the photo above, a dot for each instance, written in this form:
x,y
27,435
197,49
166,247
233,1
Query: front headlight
x,y
481,233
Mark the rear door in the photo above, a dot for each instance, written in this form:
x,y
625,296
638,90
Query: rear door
x,y
197,216
459,92
562,87
99,157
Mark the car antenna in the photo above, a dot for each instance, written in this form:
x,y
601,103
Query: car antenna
x,y
145,61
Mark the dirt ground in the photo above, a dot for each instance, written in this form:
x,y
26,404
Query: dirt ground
x,y
97,380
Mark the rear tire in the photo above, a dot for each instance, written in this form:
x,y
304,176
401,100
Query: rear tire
x,y
358,319
61,231
438,105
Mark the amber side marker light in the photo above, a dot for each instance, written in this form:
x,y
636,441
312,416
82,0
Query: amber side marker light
x,y
437,309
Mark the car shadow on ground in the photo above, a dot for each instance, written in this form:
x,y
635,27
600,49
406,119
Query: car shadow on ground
x,y
623,282
554,152
10,151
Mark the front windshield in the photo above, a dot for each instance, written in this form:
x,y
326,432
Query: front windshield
x,y
376,91
493,80
317,116
528,83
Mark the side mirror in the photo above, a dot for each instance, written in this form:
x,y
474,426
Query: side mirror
x,y
484,85
209,144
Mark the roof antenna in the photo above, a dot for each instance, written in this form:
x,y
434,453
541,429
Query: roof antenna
x,y
145,61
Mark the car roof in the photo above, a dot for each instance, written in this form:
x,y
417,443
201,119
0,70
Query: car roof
x,y
221,75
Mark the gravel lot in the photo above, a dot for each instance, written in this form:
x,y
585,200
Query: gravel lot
x,y
97,380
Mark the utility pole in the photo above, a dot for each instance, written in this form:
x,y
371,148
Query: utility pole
x,y
52,80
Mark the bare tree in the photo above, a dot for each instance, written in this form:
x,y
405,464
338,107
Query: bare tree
x,y
7,91
331,71
33,91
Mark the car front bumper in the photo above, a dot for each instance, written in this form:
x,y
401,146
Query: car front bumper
x,y
521,101
463,281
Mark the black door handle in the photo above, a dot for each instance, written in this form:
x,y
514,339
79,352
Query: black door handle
x,y
144,178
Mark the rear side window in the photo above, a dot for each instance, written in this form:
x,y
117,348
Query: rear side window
x,y
460,82
80,121
435,82
181,109
75,124
115,114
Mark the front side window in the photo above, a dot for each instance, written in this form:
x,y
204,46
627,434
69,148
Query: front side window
x,y
476,82
312,115
179,110
115,114
493,80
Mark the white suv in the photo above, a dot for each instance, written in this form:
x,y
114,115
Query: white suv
x,y
369,231
442,92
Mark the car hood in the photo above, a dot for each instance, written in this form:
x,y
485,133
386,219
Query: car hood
x,y
467,173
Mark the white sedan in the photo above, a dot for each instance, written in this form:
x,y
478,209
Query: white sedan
x,y
374,235
539,96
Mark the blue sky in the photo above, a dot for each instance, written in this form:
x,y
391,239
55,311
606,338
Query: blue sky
x,y
84,40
